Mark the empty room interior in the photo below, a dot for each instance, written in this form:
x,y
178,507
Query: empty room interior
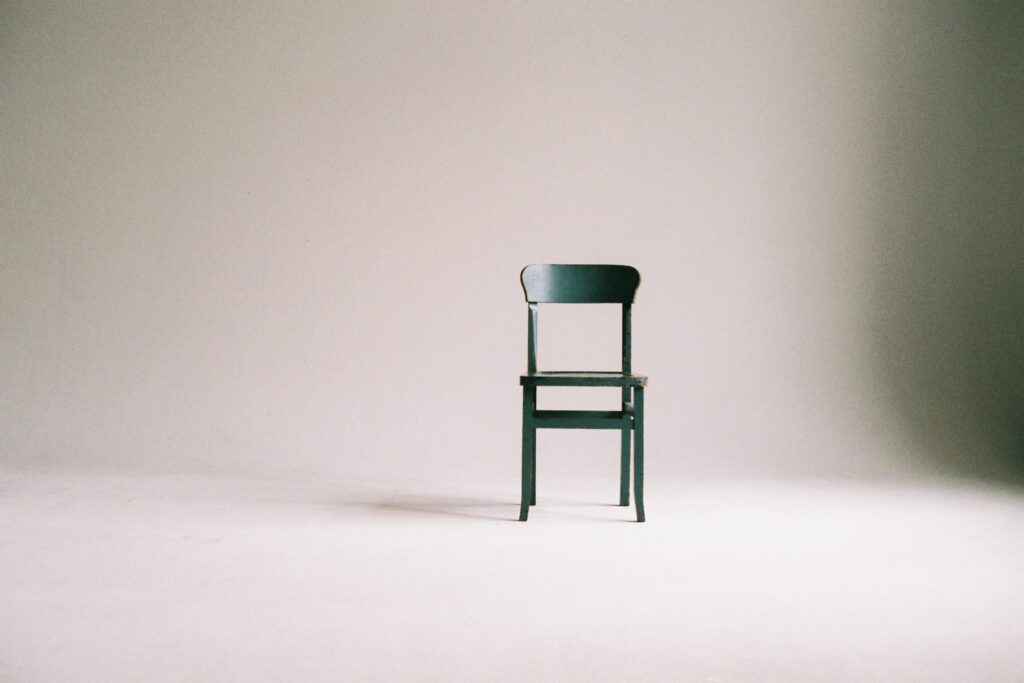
x,y
266,391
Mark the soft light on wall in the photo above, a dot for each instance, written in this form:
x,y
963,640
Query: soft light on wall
x,y
280,241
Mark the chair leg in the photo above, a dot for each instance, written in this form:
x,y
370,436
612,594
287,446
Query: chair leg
x,y
624,456
533,466
638,452
624,469
529,396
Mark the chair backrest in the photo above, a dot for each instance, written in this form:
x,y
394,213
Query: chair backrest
x,y
579,284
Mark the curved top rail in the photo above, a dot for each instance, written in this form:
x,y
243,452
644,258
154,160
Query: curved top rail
x,y
579,283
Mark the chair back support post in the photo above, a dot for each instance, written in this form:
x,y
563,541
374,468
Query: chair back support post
x,y
627,338
627,350
531,341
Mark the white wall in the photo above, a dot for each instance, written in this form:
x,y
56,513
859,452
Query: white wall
x,y
273,239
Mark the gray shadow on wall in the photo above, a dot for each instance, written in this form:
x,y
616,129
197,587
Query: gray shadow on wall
x,y
947,298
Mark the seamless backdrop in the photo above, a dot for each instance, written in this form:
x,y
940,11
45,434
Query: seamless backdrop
x,y
271,239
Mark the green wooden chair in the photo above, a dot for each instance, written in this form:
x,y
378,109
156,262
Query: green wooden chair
x,y
583,284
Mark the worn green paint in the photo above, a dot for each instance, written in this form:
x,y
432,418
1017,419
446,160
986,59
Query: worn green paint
x,y
583,284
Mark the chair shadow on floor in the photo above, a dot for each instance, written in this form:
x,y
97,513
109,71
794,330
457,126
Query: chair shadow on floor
x,y
484,509
446,507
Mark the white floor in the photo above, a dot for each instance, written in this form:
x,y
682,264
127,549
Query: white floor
x,y
116,578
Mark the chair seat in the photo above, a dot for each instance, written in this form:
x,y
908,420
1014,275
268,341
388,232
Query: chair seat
x,y
582,379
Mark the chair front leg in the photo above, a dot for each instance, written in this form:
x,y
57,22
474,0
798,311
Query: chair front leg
x,y
638,452
624,455
533,465
529,399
